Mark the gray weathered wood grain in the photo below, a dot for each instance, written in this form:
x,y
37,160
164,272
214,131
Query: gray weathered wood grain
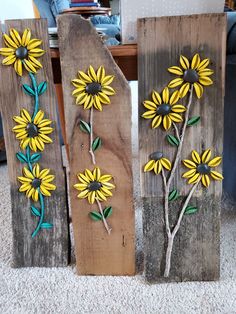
x,y
160,43
50,247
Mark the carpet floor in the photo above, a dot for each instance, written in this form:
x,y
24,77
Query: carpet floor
x,y
60,290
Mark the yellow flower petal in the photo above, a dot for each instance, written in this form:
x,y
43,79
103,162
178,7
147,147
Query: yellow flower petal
x,y
178,108
149,114
216,175
175,117
48,186
107,80
156,98
206,180
46,130
157,167
174,97
9,60
149,105
189,174
167,122
106,192
80,186
194,178
35,196
36,171
215,162
83,76
156,122
103,98
29,66
184,62
198,89
24,187
48,178
83,178
43,123
25,115
27,173
97,103
83,194
35,62
176,70
7,51
109,91
39,117
30,192
166,163
26,37
89,175
101,74
33,43
36,52
96,173
205,81
18,67
205,72
78,83
92,73
9,42
101,196
175,82
189,164
203,64
81,99
24,143
44,191
196,157
184,90
206,156
165,95
32,144
15,36
24,180
39,143
105,178
43,174
91,197
149,166
195,61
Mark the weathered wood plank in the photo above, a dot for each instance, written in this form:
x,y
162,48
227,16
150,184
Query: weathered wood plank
x,y
196,246
50,247
97,252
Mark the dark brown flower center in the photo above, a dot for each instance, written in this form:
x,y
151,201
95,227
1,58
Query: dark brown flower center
x,y
156,156
203,169
94,186
93,88
36,183
191,76
164,109
32,130
21,53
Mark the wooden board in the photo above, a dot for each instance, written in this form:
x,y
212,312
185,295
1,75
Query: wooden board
x,y
97,253
50,247
196,246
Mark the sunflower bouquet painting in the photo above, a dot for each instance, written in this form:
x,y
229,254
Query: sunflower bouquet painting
x,y
93,91
166,110
32,130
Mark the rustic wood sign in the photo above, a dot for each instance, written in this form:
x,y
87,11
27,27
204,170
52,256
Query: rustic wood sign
x,y
98,128
28,107
181,88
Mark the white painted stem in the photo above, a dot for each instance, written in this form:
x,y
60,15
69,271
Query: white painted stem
x,y
108,229
91,137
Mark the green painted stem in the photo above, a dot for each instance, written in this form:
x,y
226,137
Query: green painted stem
x,y
36,97
41,199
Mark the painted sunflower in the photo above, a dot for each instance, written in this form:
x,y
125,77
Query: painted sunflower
x,y
163,109
157,162
94,185
36,181
22,51
194,72
32,132
202,166
92,89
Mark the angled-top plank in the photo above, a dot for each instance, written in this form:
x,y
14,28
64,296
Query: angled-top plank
x,y
161,41
49,248
97,252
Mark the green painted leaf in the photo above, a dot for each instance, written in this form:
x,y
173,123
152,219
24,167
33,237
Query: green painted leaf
x,y
172,140
173,195
190,210
21,157
193,121
35,211
28,90
107,211
35,157
84,126
46,225
97,143
42,87
95,216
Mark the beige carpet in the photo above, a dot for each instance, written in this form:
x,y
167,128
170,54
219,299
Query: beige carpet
x,y
43,291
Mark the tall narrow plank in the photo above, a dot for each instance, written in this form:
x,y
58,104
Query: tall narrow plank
x,y
196,246
50,247
97,252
